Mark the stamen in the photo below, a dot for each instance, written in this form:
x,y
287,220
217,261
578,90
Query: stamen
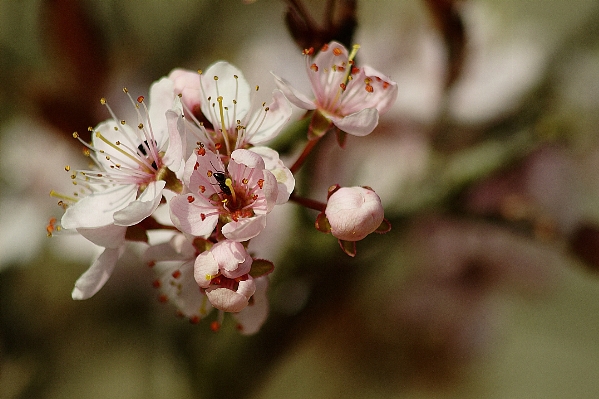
x,y
148,135
62,196
222,121
197,124
104,139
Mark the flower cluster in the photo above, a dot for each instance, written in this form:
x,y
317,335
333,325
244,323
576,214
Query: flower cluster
x,y
197,151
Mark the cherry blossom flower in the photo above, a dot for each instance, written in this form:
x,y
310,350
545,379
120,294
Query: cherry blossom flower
x,y
239,199
133,168
225,99
351,98
133,165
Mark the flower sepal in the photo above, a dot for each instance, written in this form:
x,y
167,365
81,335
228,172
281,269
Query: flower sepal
x,y
322,223
172,182
384,227
349,247
319,125
261,267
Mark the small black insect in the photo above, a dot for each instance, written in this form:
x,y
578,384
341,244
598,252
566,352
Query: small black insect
x,y
142,149
221,179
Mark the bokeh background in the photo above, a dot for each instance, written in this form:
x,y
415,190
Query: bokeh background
x,y
488,165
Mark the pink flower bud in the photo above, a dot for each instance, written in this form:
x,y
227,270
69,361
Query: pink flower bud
x,y
354,212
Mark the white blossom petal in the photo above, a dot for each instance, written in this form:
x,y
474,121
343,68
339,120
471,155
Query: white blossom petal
x,y
295,97
110,236
144,206
264,127
98,208
96,276
228,87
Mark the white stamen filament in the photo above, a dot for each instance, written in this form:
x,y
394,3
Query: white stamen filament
x,y
223,126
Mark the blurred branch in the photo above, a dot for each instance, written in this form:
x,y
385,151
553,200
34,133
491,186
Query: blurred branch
x,y
308,33
445,14
78,50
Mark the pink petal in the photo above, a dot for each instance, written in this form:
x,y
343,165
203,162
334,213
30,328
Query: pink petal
x,y
205,269
188,216
247,158
197,176
368,89
187,83
173,158
226,300
327,79
232,301
270,190
244,229
385,90
360,123
254,315
284,177
232,258
162,99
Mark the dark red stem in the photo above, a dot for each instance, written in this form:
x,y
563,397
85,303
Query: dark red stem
x,y
302,158
308,203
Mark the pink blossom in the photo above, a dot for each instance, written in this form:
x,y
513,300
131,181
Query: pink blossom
x,y
239,198
272,163
177,263
223,273
351,98
225,99
354,212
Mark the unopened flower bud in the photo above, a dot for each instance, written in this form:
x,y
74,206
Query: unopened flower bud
x,y
354,212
